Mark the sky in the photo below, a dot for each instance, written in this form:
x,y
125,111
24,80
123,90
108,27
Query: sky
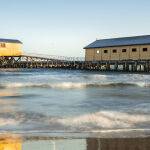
x,y
64,27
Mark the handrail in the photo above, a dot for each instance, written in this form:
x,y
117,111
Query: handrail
x,y
54,57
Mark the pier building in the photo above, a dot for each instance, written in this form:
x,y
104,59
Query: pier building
x,y
10,47
120,49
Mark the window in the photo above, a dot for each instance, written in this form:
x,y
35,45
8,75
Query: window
x,y
97,51
114,51
2,45
105,51
134,49
124,50
145,49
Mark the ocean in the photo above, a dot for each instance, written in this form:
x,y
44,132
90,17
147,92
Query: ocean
x,y
71,103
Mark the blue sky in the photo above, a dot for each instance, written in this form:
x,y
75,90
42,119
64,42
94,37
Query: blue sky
x,y
64,27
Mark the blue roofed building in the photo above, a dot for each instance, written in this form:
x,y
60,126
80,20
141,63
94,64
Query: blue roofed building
x,y
125,48
10,47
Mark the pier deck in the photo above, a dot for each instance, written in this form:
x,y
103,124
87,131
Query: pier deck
x,y
61,62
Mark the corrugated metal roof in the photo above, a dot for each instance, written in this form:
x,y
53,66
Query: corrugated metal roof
x,y
125,41
10,41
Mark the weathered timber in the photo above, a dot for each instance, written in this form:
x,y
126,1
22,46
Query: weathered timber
x,y
41,62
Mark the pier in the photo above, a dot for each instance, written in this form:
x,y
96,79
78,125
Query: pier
x,y
75,63
127,54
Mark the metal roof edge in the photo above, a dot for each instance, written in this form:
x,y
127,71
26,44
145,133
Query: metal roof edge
x,y
116,46
123,37
10,41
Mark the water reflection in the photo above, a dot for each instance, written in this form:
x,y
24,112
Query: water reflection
x,y
119,144
47,143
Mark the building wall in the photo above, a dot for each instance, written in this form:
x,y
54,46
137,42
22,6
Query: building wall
x,y
98,54
134,53
89,55
124,55
145,54
139,52
115,53
106,56
10,49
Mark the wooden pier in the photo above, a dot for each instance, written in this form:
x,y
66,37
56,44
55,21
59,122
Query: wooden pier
x,y
60,62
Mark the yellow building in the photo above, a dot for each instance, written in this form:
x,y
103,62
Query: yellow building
x,y
126,48
10,47
10,144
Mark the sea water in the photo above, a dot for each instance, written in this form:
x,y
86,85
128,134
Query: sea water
x,y
61,102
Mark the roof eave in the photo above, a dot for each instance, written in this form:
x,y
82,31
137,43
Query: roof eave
x,y
11,41
117,46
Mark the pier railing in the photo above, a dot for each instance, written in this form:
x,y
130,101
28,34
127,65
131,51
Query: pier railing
x,y
54,57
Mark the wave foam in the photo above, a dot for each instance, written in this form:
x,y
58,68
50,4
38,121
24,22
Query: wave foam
x,y
74,85
102,120
4,122
106,119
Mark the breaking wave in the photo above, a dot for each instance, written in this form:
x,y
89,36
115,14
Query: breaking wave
x,y
98,121
102,120
73,85
107,120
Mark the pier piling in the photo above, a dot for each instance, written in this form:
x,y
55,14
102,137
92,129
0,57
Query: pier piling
x,y
36,62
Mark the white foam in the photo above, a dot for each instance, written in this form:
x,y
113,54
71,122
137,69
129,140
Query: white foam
x,y
4,122
14,85
141,84
75,85
106,119
68,85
